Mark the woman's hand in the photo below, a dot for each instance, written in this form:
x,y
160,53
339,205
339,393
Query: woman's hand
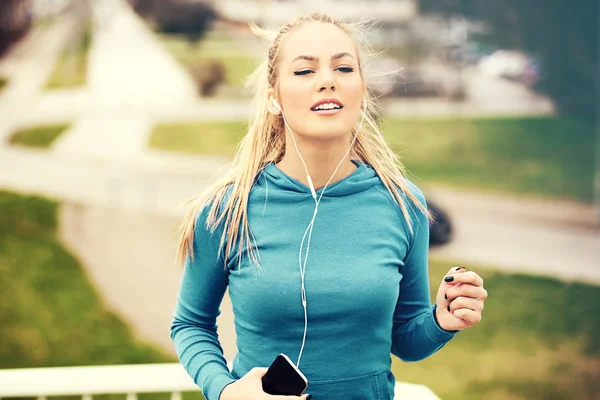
x,y
460,300
249,387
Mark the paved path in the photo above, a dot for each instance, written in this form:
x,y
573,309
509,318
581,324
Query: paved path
x,y
130,77
28,67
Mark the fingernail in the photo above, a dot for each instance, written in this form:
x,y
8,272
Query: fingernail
x,y
445,296
448,308
459,268
449,278
309,397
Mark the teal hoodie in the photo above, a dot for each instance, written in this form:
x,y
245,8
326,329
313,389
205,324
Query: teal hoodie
x,y
366,280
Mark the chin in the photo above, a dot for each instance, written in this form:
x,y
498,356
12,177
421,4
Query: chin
x,y
324,132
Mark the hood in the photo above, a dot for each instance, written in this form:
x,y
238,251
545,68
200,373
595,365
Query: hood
x,y
362,178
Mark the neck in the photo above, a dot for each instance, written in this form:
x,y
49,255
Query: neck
x,y
321,158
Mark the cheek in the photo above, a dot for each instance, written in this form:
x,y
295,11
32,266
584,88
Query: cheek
x,y
355,89
294,95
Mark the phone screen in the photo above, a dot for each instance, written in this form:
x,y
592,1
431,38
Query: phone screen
x,y
283,378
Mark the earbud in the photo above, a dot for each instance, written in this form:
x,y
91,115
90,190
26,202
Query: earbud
x,y
276,104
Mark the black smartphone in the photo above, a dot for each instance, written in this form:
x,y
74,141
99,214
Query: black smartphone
x,y
284,378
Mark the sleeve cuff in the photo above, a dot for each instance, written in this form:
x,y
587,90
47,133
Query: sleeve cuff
x,y
435,332
216,386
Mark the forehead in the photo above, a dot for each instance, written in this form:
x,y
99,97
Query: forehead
x,y
316,39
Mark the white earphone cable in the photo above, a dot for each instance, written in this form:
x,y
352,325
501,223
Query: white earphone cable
x,y
311,224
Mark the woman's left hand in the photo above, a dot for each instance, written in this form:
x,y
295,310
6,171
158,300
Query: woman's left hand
x,y
460,300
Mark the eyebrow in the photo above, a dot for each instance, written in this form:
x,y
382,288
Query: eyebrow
x,y
333,57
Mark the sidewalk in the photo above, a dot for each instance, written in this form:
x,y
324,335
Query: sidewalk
x,y
28,66
130,78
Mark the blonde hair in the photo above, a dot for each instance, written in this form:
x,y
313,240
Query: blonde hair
x,y
265,143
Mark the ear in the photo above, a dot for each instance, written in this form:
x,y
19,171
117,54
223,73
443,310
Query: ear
x,y
271,103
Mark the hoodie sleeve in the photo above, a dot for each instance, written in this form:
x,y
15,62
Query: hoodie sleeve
x,y
415,333
194,329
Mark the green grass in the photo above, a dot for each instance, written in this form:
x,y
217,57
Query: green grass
x,y
71,68
215,46
38,136
50,315
539,339
541,156
547,156
208,138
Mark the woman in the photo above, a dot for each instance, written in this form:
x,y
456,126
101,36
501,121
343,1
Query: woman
x,y
320,237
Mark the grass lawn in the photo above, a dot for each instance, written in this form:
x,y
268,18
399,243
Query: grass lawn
x,y
539,339
544,156
214,46
50,315
38,136
210,138
71,67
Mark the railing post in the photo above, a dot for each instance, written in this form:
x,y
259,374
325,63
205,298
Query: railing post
x,y
176,396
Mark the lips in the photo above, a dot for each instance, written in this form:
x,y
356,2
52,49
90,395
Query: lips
x,y
329,101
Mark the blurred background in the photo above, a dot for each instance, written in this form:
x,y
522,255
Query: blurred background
x,y
114,112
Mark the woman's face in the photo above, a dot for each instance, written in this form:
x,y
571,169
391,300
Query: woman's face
x,y
318,61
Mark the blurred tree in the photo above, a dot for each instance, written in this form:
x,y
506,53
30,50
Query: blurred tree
x,y
15,21
191,19
145,8
209,75
563,35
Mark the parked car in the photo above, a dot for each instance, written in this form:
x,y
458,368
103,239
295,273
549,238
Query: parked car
x,y
440,230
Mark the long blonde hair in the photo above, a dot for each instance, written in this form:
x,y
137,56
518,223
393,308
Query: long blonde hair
x,y
265,143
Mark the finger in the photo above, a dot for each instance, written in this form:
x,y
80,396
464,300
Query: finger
x,y
465,277
447,285
466,302
470,317
455,270
466,290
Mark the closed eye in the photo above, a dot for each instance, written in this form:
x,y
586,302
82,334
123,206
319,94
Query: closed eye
x,y
345,70
303,72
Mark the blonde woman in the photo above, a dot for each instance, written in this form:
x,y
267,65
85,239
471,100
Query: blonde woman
x,y
319,235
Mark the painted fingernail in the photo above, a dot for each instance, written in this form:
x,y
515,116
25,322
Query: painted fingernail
x,y
449,278
448,308
309,397
445,296
459,268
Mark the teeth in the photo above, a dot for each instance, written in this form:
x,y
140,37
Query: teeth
x,y
327,106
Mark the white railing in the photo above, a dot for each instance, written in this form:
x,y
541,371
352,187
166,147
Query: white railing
x,y
125,379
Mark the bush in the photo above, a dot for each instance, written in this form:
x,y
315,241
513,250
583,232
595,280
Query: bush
x,y
22,214
208,76
189,19
146,8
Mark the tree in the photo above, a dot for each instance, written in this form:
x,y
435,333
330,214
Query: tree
x,y
184,18
563,35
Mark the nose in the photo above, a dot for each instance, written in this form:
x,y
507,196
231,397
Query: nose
x,y
326,83
323,88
